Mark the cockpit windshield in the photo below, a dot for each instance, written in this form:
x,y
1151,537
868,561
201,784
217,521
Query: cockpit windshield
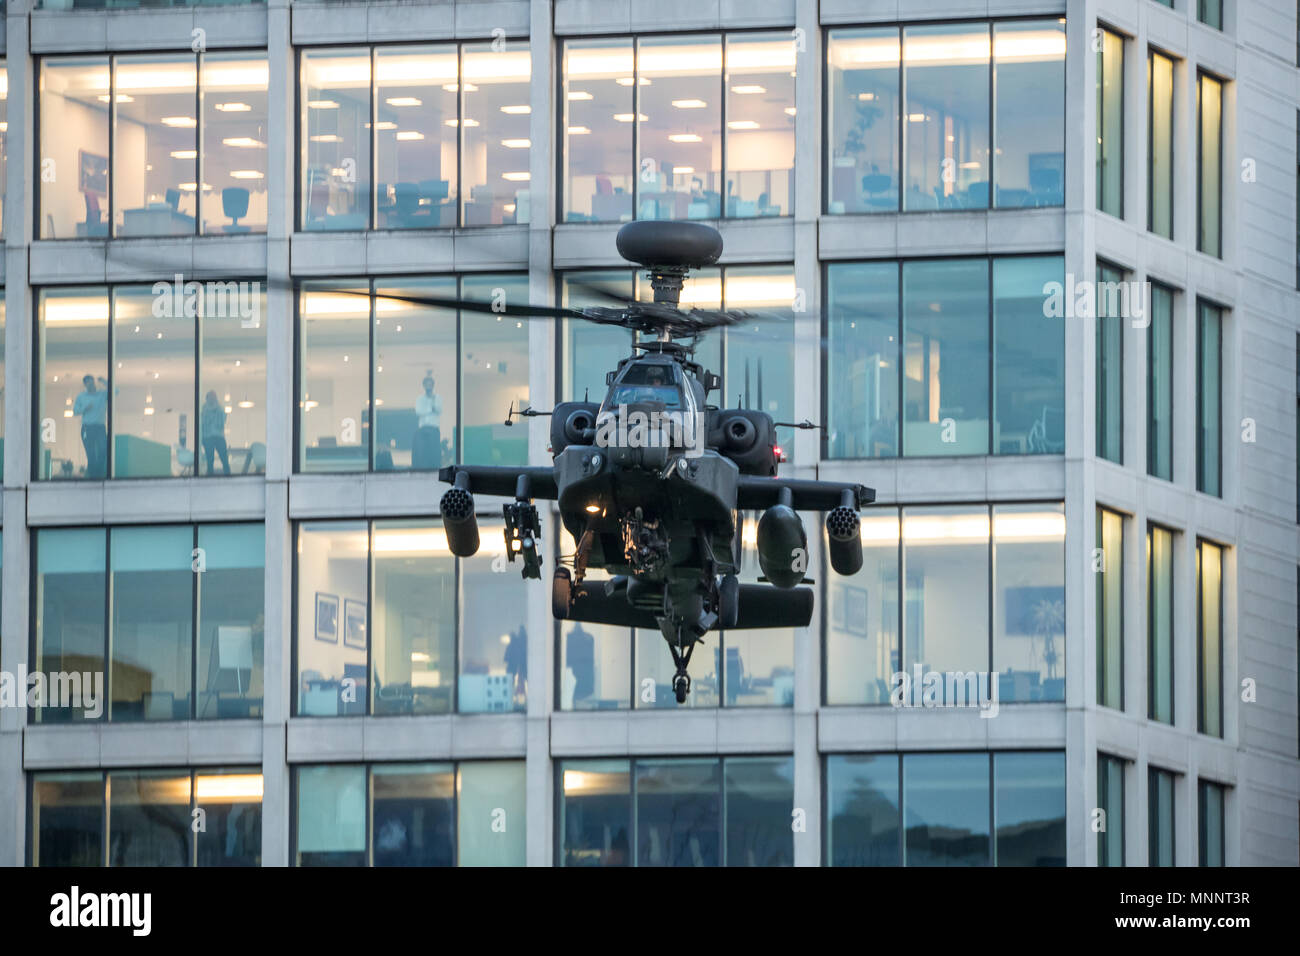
x,y
646,383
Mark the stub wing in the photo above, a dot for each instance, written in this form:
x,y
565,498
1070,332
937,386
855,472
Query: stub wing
x,y
756,494
503,480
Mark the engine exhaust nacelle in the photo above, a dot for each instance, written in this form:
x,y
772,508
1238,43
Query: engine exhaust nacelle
x,y
458,519
782,545
844,540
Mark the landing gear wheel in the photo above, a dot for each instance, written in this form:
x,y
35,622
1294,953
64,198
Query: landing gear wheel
x,y
728,601
561,593
681,687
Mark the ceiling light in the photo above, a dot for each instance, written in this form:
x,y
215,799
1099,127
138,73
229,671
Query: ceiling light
x,y
916,117
866,97
246,174
469,123
683,170
121,98
454,88
690,104
410,135
627,117
246,404
404,101
579,95
180,122
243,142
383,124
244,107
742,124
627,81
311,105
184,153
516,143
789,111
748,90
684,138
326,138
578,131
516,177
517,110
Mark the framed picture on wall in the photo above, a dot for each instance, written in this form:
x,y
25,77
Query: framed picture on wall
x,y
92,173
327,617
354,623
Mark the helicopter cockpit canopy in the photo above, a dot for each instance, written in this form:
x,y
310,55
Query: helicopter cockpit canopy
x,y
643,382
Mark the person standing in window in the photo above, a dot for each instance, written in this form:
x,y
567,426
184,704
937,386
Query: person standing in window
x,y
426,448
92,406
212,431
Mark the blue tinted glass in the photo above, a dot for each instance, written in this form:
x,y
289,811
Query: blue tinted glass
x,y
946,809
678,817
1029,113
1029,808
760,796
862,810
1028,357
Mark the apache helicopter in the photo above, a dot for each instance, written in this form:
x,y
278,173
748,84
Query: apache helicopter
x,y
651,482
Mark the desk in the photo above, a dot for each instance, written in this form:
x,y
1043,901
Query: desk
x,y
154,221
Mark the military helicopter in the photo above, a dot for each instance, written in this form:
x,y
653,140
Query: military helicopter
x,y
651,482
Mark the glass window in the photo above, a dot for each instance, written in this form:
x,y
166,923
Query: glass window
x,y
231,801
1029,601
862,652
1160,384
2,329
1110,369
598,164
760,355
1110,801
759,76
946,809
1210,12
153,616
67,823
1029,809
596,663
946,597
4,134
1160,817
149,818
1160,144
863,120
653,676
416,136
1209,399
337,103
862,360
1210,805
1209,144
74,183
155,145
330,816
73,342
331,649
231,622
759,794
232,383
334,408
946,357
494,639
1028,357
415,367
1108,567
153,387
72,616
946,116
756,667
413,618
1029,113
412,814
591,350
1110,124
494,163
678,812
1209,622
494,372
596,816
1160,624
679,135
233,142
863,807
492,825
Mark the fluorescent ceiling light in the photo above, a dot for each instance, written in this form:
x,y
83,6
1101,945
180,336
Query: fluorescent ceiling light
x,y
184,153
627,117
244,107
579,95
180,122
326,138
684,138
748,90
410,135
121,98
742,124
246,174
516,143
243,142
521,110
404,101
683,170
318,105
469,123
578,131
516,177
690,104
789,111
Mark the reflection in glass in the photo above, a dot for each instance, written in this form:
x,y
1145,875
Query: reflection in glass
x,y
231,620
149,818
232,805
334,408
155,145
412,812
678,812
1160,624
760,353
1110,609
153,613
153,387
72,333
595,662
1160,391
336,93
1110,371
655,663
416,132
71,608
760,796
1209,399
1209,191
73,130
494,372
1110,800
759,78
945,610
330,816
1209,670
67,824
1160,817
862,810
491,829
415,376
1160,143
1028,357
4,134
232,385
759,668
1110,124
862,90
494,640
1029,113
233,142
413,618
946,116
592,350
495,143
862,359
596,815
330,636
598,164
862,653
946,809
679,136
946,357
1029,809
1029,601
1210,807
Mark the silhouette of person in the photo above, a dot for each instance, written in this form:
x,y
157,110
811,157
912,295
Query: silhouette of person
x,y
92,406
426,448
212,431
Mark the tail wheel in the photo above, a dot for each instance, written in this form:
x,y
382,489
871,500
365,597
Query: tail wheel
x,y
561,593
728,601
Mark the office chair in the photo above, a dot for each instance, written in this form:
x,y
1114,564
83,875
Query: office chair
x,y
234,205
